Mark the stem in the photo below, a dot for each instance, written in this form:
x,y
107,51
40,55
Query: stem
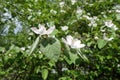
x,y
34,45
82,55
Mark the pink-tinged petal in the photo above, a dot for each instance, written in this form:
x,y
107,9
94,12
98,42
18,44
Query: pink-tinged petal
x,y
35,30
81,46
50,30
69,39
77,44
42,29
64,40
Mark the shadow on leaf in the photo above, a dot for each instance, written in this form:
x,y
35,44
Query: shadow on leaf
x,y
47,41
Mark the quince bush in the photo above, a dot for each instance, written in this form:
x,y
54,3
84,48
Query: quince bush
x,y
59,39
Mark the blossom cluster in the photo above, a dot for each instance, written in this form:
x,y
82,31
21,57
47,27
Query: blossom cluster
x,y
80,13
73,43
42,30
110,24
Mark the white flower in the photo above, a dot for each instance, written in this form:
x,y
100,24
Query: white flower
x,y
79,11
94,24
115,28
53,11
87,17
64,28
104,15
64,69
73,43
62,4
96,37
118,11
53,71
118,65
73,2
8,15
102,29
28,47
39,12
109,24
42,30
62,11
110,11
107,39
92,20
96,18
9,55
22,48
91,5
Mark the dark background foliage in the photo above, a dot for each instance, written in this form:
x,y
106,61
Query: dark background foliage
x,y
17,64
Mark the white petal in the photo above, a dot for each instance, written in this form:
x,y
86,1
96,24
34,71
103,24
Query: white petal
x,y
73,2
62,4
35,30
115,28
77,44
42,29
81,46
118,11
64,40
64,28
109,39
109,23
50,30
69,39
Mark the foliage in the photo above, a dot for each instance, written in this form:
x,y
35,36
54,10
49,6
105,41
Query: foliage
x,y
25,55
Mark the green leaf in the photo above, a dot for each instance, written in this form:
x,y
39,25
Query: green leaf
x,y
44,74
51,48
71,57
2,49
118,16
51,63
54,32
101,43
65,78
37,69
34,45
